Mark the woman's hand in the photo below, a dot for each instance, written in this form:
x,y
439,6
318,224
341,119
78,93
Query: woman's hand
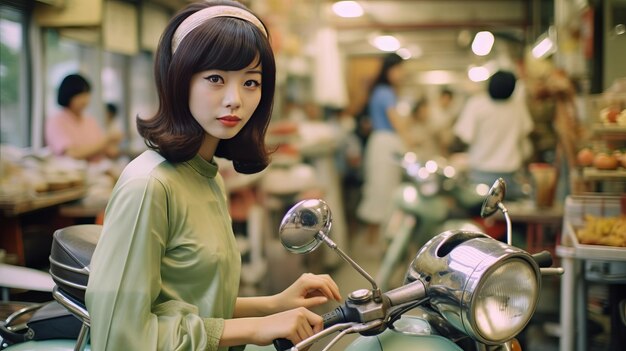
x,y
295,325
308,291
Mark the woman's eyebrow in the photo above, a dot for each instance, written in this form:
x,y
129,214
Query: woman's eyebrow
x,y
255,71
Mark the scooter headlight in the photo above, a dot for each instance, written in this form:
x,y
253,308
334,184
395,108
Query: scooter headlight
x,y
505,300
481,286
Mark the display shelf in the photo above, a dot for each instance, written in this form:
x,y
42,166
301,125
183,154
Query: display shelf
x,y
589,252
591,173
18,205
609,131
576,210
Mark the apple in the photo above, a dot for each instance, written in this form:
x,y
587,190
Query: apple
x,y
585,157
611,116
605,161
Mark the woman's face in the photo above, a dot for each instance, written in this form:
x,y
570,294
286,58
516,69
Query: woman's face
x,y
222,102
396,74
79,102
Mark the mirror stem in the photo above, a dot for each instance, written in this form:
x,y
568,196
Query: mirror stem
x,y
376,294
507,218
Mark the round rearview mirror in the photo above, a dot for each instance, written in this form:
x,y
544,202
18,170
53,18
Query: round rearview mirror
x,y
494,197
302,225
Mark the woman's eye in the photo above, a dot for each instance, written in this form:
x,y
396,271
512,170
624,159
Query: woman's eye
x,y
214,79
252,83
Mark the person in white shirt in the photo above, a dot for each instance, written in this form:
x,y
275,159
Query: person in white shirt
x,y
495,126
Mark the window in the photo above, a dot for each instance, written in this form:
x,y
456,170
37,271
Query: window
x,y
65,56
14,107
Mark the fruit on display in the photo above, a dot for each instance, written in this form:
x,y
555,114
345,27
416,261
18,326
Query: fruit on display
x,y
609,231
605,161
585,157
613,115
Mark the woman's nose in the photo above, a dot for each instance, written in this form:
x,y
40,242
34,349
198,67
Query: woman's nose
x,y
232,97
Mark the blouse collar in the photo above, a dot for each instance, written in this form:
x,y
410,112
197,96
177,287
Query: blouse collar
x,y
205,168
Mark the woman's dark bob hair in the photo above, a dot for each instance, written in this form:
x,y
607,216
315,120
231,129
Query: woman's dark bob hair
x,y
71,86
222,43
389,61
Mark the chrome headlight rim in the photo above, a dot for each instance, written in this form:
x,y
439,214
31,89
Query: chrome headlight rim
x,y
471,295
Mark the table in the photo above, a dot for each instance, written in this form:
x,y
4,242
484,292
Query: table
x,y
536,220
12,210
574,289
23,278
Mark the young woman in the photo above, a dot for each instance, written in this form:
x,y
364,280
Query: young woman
x,y
165,273
389,136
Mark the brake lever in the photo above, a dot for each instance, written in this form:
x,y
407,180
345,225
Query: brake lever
x,y
357,328
311,339
348,328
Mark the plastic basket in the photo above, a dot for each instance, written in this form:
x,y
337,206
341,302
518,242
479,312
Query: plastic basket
x,y
576,208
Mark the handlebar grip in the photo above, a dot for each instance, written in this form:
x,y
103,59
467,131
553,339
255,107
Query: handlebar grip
x,y
282,344
331,318
543,259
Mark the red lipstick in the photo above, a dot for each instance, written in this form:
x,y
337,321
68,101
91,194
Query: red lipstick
x,y
229,121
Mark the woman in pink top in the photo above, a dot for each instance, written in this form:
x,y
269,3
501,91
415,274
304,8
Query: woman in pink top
x,y
71,132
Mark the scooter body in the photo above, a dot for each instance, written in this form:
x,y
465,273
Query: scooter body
x,y
48,345
411,333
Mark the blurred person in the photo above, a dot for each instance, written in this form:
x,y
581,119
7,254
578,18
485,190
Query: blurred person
x,y
165,274
443,116
496,126
422,140
388,137
114,127
72,132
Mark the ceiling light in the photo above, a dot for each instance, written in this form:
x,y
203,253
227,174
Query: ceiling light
x,y
404,53
436,77
478,74
542,48
348,9
545,45
386,43
483,42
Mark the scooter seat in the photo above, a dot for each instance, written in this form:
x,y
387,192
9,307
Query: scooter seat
x,y
70,256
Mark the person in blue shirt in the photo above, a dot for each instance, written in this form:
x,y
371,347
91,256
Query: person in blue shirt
x,y
381,176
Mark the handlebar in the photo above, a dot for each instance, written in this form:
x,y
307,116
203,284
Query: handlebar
x,y
408,293
543,258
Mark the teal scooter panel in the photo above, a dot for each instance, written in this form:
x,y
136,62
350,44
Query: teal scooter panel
x,y
47,345
392,340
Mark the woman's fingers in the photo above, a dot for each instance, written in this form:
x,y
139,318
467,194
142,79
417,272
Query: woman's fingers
x,y
306,324
322,283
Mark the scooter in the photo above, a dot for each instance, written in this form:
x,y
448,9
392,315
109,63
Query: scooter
x,y
432,196
462,287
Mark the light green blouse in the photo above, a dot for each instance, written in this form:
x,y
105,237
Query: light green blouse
x,y
165,273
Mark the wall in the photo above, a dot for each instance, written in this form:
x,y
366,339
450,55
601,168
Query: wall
x,y
614,44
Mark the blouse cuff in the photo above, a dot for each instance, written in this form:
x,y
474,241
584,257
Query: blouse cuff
x,y
214,327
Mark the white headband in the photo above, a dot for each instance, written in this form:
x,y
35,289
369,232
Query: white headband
x,y
192,22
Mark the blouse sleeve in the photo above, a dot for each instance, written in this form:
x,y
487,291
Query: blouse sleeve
x,y
125,279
